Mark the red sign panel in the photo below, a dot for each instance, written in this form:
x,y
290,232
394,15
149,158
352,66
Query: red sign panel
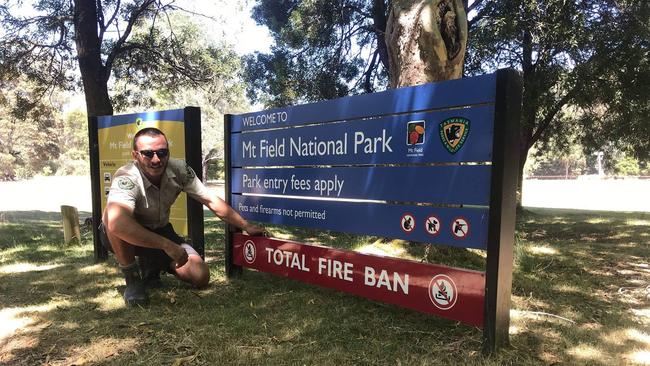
x,y
452,293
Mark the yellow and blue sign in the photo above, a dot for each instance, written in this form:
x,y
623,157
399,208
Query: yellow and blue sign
x,y
115,142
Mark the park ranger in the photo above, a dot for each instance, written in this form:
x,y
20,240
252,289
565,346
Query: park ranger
x,y
136,219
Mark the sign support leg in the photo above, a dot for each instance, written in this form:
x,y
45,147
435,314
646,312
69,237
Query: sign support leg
x,y
505,163
232,270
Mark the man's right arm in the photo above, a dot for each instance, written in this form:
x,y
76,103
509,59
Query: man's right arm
x,y
120,222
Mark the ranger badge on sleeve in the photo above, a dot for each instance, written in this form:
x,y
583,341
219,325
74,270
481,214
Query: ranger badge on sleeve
x,y
189,174
125,183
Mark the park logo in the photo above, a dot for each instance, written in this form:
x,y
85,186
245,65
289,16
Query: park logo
x,y
453,133
141,124
442,292
250,252
415,133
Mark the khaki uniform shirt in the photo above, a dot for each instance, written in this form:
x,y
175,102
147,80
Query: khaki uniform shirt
x,y
151,205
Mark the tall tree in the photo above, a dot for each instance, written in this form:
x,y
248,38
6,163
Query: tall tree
x,y
327,49
587,53
97,39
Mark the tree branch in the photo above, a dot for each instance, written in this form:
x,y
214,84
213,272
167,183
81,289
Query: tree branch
x,y
367,85
550,116
102,29
117,48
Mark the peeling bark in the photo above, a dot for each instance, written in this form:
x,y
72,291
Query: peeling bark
x,y
426,41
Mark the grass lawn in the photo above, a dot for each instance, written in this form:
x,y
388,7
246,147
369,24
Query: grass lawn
x,y
581,295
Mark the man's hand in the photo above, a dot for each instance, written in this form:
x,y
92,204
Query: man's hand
x,y
254,230
177,254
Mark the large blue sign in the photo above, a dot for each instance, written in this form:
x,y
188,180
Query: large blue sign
x,y
434,163
412,163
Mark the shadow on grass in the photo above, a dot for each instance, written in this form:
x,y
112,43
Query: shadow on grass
x,y
60,308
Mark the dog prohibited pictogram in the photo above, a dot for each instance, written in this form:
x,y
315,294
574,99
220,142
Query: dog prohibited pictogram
x,y
249,252
460,228
408,223
442,292
432,225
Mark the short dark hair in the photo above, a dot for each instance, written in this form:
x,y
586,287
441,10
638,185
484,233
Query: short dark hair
x,y
149,131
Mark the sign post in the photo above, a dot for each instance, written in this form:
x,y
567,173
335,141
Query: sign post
x,y
111,145
435,163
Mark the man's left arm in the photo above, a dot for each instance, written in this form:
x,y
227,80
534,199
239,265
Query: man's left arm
x,y
197,190
228,214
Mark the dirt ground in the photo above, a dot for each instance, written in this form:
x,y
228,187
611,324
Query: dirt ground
x,y
49,193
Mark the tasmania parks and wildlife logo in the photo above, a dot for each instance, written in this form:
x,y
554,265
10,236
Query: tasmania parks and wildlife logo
x,y
453,133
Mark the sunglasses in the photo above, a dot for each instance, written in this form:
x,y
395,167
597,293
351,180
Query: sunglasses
x,y
162,153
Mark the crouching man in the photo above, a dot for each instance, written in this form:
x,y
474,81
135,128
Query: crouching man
x,y
136,219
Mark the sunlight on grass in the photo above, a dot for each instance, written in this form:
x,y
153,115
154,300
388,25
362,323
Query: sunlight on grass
x,y
524,316
27,267
542,250
622,336
598,220
565,287
18,318
645,266
637,222
586,352
640,357
97,269
643,315
109,300
638,336
380,248
99,350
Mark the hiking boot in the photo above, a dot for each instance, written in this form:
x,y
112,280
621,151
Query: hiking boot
x,y
149,272
135,293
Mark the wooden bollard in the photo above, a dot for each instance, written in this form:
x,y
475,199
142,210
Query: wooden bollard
x,y
70,221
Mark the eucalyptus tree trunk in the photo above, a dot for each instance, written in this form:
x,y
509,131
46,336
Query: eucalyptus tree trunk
x,y
426,41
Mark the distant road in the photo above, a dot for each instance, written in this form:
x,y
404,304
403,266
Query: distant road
x,y
49,193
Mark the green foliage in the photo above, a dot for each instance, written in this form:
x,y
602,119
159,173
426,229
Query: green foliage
x,y
29,131
591,54
136,42
74,159
221,93
627,166
323,50
552,160
157,55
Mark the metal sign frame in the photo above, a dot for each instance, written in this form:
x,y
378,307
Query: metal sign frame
x,y
496,96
